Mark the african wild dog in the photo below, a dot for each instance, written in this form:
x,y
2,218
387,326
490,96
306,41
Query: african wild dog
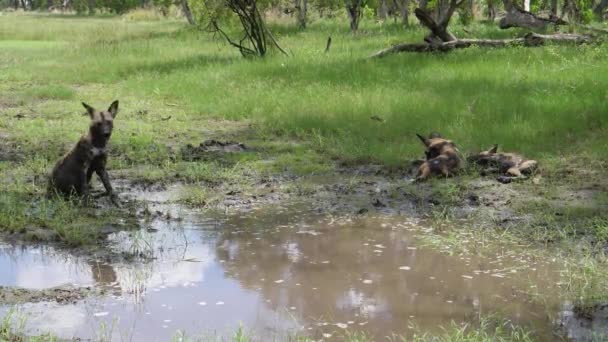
x,y
100,131
441,157
68,177
511,165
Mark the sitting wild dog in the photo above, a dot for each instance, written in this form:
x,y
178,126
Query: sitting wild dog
x,y
507,164
441,157
68,177
100,131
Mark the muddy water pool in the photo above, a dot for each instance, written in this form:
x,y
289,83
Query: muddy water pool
x,y
278,272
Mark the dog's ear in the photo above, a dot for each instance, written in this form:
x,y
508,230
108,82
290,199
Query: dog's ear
x,y
424,140
113,109
494,149
90,110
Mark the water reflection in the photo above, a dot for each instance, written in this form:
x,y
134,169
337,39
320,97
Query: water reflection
x,y
279,271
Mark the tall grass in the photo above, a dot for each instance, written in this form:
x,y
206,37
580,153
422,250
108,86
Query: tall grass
x,y
539,101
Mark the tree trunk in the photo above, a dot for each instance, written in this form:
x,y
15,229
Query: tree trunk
x,y
383,10
491,11
600,8
91,7
301,7
554,8
572,10
423,4
49,5
353,9
527,5
404,11
187,12
471,8
438,28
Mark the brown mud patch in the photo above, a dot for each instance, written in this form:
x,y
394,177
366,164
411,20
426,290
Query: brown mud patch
x,y
210,149
62,294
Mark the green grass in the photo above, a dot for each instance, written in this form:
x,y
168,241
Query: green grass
x,y
304,114
534,100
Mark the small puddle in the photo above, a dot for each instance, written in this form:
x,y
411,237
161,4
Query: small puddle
x,y
40,267
279,272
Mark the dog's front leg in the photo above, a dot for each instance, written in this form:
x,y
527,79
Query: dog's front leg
x,y
105,179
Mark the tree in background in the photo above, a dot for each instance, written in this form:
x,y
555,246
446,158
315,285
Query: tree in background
x,y
254,38
354,10
574,11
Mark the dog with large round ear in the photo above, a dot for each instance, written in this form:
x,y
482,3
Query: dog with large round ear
x,y
441,156
102,123
100,131
436,145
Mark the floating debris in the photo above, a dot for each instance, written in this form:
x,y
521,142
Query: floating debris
x,y
367,281
279,281
101,314
202,303
467,276
405,268
342,325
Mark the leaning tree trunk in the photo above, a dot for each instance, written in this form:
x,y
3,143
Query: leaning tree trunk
x,y
519,18
439,25
301,7
353,9
187,12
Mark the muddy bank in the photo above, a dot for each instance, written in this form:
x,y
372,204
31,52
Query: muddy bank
x,y
63,294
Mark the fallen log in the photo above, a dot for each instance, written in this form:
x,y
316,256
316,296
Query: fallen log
x,y
530,39
516,17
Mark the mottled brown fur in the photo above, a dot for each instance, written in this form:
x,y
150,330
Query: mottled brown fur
x,y
68,177
442,157
100,131
509,164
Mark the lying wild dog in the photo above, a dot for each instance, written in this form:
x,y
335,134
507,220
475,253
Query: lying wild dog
x,y
511,165
100,131
68,177
441,157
